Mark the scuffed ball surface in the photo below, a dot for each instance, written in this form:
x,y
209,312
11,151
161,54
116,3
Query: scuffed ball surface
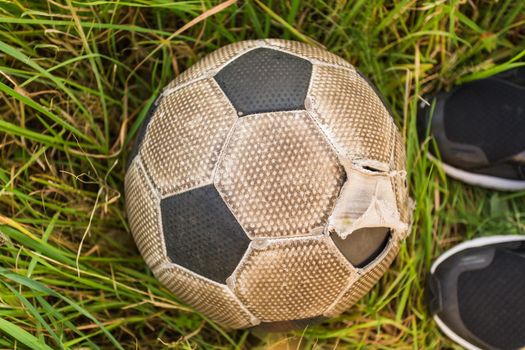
x,y
240,179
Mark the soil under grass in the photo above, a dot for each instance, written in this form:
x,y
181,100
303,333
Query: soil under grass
x,y
76,78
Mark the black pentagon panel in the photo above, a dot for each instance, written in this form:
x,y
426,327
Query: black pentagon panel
x,y
376,90
201,233
364,245
142,130
265,80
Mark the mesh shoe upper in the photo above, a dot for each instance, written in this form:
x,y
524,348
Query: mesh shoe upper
x,y
489,114
479,127
478,294
491,300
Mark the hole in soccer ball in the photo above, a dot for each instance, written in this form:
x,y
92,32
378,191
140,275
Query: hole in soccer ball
x,y
364,245
374,170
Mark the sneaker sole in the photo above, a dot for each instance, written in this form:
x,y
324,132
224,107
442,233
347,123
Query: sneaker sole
x,y
477,242
474,243
487,181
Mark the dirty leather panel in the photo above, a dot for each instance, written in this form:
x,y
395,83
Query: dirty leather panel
x,y
287,279
142,131
279,175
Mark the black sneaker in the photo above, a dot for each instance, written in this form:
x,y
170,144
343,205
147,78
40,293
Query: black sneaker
x,y
479,129
477,293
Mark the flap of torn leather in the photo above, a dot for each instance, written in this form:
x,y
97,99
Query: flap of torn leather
x,y
367,199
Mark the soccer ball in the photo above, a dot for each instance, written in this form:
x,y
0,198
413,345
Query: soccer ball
x,y
267,185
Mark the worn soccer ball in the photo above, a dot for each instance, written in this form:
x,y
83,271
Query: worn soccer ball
x,y
267,185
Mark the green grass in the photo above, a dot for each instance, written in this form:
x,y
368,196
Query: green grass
x,y
76,78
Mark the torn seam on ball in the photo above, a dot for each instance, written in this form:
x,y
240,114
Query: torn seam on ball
x,y
366,200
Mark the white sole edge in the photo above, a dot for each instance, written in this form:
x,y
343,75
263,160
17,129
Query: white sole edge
x,y
456,338
474,243
487,181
